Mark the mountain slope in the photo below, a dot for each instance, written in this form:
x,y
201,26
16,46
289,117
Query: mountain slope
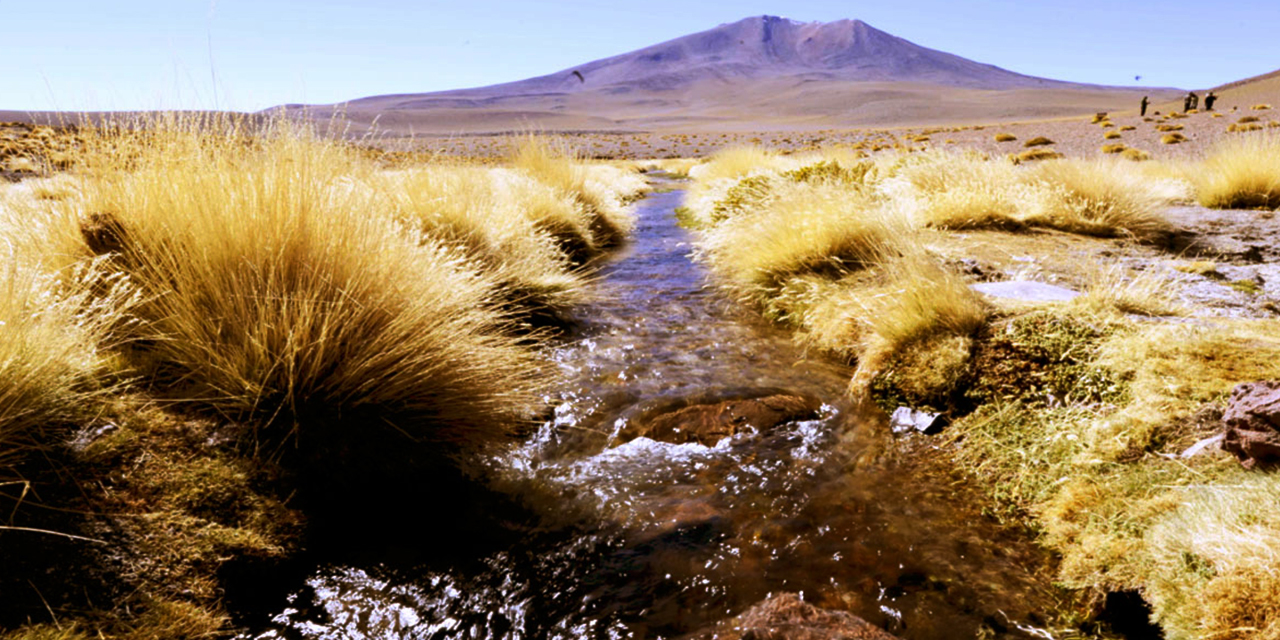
x,y
763,70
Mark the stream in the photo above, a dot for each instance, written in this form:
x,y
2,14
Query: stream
x,y
647,539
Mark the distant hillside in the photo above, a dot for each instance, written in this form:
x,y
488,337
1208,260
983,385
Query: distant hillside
x,y
759,72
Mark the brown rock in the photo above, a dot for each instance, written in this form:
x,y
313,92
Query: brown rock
x,y
786,617
1252,422
708,423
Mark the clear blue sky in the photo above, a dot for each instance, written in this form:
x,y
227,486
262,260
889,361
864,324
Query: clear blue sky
x,y
81,55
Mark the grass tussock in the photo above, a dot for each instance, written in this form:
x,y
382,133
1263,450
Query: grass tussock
x,y
1112,135
1240,174
1035,155
1114,148
319,306
1038,141
1261,107
1135,155
1005,137
1102,197
55,331
1172,138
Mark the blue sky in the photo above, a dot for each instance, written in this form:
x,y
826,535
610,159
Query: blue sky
x,y
248,55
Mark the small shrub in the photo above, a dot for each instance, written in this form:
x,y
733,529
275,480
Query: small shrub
x,y
1111,135
1172,138
1005,137
1113,148
1136,155
1169,127
1038,141
1247,119
1032,155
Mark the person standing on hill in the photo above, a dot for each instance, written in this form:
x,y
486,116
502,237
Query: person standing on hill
x,y
1209,99
1195,100
1186,102
1142,109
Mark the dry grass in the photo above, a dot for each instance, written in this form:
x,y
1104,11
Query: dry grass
x,y
1102,197
1242,173
1172,138
1038,141
1114,148
1261,107
804,230
1136,155
1115,289
1005,137
321,307
1034,155
1112,135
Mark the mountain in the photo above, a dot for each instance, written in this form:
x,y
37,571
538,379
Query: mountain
x,y
760,71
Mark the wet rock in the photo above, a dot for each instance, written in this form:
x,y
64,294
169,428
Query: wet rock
x,y
906,420
1026,290
707,424
1252,422
786,617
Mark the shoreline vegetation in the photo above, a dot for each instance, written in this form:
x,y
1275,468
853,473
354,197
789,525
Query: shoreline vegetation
x,y
1071,415
179,404
178,400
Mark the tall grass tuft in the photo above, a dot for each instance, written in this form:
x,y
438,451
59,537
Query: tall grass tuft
x,y
54,333
277,289
1242,173
1102,197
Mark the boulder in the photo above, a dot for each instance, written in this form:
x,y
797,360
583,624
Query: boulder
x,y
787,617
707,424
1252,421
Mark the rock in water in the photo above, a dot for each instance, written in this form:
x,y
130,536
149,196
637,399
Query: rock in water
x,y
786,617
1252,424
707,424
906,419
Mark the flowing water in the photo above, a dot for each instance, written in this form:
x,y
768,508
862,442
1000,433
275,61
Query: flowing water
x,y
647,539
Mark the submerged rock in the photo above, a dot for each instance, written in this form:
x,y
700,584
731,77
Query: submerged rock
x,y
1252,424
787,617
707,424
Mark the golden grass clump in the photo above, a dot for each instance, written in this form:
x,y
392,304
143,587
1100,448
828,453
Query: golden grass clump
x,y
1033,155
1136,155
805,229
557,166
1241,173
1217,561
55,330
1169,127
1114,148
1102,197
1172,138
1112,135
1005,137
320,310
1243,128
1260,107
1038,141
1128,127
